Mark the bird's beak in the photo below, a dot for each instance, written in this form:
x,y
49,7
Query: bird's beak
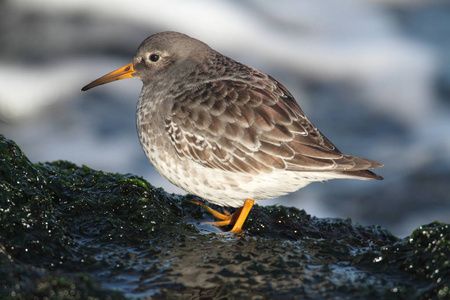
x,y
122,73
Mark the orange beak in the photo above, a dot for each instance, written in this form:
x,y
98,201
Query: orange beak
x,y
122,73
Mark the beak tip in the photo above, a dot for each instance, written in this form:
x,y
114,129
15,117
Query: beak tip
x,y
87,87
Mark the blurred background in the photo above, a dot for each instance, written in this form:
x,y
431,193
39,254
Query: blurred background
x,y
373,76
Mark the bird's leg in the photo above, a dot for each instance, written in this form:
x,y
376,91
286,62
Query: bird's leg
x,y
237,218
215,213
242,215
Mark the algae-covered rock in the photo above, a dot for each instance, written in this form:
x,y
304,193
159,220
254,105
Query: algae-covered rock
x,y
70,232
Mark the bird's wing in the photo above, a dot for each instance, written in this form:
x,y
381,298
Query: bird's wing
x,y
252,126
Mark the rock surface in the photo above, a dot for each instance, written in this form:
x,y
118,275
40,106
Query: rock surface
x,y
70,232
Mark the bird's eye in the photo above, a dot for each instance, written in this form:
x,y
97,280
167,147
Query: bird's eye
x,y
154,57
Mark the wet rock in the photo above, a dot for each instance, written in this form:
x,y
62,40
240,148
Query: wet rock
x,y
72,232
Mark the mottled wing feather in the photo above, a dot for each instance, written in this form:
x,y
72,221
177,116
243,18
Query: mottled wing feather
x,y
252,126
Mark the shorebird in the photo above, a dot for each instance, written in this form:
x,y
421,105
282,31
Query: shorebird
x,y
224,131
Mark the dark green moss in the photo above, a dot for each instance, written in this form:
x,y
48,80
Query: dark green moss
x,y
424,255
69,232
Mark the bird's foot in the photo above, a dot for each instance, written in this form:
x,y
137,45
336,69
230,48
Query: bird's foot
x,y
237,219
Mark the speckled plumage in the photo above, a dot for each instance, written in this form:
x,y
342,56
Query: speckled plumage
x,y
227,132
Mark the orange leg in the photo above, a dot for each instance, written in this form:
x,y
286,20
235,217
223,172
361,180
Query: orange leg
x,y
237,218
243,213
214,212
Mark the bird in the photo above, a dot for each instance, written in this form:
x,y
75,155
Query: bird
x,y
224,131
